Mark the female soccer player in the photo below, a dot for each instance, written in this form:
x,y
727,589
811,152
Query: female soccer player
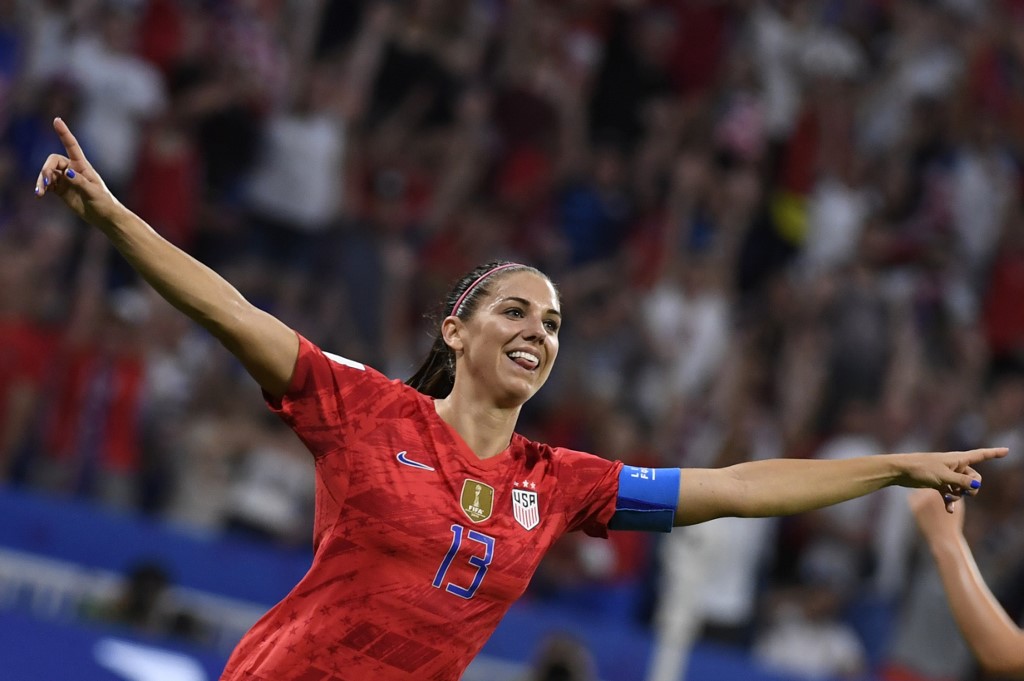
x,y
997,642
432,512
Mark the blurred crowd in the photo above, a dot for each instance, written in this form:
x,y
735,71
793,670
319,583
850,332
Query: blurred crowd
x,y
779,228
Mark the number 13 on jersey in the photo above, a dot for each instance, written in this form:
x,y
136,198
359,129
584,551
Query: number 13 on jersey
x,y
479,562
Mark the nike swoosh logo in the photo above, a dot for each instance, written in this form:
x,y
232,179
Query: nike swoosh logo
x,y
403,458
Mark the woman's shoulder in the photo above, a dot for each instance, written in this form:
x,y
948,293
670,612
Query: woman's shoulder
x,y
554,453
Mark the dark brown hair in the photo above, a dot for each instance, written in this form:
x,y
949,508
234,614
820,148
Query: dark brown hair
x,y
436,375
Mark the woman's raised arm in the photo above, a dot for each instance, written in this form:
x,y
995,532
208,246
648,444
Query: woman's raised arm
x,y
265,346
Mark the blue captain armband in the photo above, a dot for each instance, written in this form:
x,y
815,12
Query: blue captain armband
x,y
647,500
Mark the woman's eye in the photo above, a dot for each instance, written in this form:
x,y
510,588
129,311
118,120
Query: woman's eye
x,y
551,326
514,312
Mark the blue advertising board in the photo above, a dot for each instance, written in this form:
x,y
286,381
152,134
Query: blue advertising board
x,y
32,649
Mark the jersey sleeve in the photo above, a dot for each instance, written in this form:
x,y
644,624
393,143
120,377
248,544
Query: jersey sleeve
x,y
588,486
330,397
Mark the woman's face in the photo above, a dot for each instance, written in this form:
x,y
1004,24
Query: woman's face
x,y
506,349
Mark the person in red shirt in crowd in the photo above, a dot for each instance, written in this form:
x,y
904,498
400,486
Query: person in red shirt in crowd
x,y
1003,323
92,426
432,513
26,349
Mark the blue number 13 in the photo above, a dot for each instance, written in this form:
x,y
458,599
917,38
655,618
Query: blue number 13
x,y
479,562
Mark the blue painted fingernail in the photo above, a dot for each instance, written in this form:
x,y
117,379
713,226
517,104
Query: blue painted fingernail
x,y
46,182
947,497
71,173
975,484
37,191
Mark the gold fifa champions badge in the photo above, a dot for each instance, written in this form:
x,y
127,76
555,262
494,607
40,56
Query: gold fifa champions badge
x,y
477,500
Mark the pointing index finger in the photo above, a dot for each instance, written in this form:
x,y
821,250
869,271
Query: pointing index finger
x,y
978,455
68,140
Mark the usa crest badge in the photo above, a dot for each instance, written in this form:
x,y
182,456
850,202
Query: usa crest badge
x,y
525,508
477,500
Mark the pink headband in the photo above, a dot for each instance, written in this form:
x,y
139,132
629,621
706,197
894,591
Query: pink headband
x,y
469,289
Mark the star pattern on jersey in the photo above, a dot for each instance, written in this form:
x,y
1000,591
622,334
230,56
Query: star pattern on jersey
x,y
525,484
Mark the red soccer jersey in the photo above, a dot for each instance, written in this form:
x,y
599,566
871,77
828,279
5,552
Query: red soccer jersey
x,y
420,547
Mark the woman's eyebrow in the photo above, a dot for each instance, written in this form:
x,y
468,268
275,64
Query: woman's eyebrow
x,y
526,303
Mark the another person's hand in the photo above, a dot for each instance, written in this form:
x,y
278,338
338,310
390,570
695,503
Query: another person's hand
x,y
75,181
932,517
951,473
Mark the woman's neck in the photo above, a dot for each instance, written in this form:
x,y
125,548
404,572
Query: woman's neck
x,y
486,430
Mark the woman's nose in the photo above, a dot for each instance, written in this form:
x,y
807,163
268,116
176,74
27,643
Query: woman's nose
x,y
535,329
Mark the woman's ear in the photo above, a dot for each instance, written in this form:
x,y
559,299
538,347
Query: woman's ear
x,y
451,332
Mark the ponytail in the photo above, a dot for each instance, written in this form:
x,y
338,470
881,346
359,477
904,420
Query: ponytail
x,y
436,375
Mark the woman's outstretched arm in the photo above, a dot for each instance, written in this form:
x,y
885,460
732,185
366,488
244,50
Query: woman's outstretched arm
x,y
997,642
265,346
786,486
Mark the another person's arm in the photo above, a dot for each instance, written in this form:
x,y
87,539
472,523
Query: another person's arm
x,y
997,642
786,486
265,346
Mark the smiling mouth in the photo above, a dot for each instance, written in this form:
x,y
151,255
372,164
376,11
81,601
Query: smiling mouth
x,y
526,360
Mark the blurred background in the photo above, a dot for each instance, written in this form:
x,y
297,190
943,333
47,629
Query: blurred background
x,y
779,228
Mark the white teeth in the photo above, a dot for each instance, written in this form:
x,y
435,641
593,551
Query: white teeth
x,y
534,360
